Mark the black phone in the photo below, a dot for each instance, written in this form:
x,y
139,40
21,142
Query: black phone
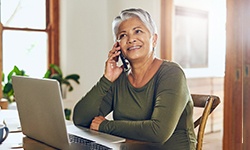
x,y
123,59
124,62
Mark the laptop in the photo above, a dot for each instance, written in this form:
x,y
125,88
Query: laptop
x,y
41,114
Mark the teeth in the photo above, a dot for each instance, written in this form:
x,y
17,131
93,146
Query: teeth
x,y
134,47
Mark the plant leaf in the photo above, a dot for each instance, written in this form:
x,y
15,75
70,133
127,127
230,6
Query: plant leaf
x,y
7,88
66,82
70,88
57,77
22,73
56,68
73,77
17,71
67,113
47,74
3,76
10,75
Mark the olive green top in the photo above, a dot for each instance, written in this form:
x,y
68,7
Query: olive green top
x,y
159,112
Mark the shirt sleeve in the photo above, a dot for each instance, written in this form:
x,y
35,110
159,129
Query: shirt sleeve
x,y
171,98
91,104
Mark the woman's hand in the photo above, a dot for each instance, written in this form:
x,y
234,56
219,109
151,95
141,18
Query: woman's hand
x,y
96,122
112,70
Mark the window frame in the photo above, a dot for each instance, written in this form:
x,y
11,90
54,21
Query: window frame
x,y
52,29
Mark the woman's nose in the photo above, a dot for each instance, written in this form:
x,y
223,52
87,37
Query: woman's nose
x,y
130,41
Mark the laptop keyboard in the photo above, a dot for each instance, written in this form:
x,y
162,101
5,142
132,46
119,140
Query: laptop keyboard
x,y
92,145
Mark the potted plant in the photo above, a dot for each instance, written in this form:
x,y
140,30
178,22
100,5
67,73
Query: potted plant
x,y
54,72
7,88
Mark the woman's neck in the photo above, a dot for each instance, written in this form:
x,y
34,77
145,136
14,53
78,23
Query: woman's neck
x,y
138,75
142,67
139,66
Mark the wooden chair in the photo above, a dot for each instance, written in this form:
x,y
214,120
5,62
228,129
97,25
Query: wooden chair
x,y
209,103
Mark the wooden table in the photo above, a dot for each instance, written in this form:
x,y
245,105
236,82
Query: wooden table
x,y
16,139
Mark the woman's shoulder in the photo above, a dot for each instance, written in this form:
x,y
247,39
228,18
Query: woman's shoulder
x,y
169,73
169,70
170,66
167,63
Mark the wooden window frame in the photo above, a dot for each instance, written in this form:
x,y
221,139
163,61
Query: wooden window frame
x,y
52,29
167,11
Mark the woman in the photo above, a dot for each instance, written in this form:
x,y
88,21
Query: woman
x,y
150,102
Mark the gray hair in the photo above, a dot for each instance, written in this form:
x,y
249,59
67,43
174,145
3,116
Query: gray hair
x,y
143,15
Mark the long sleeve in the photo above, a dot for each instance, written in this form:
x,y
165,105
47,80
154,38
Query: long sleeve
x,y
89,106
167,96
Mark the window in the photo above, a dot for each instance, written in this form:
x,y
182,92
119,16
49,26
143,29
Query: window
x,y
29,35
206,24
191,38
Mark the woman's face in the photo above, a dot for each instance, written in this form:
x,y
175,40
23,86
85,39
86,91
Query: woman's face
x,y
136,41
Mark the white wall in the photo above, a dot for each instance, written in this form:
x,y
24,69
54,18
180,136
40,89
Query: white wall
x,y
86,36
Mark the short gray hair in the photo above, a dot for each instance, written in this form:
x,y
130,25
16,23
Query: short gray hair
x,y
143,15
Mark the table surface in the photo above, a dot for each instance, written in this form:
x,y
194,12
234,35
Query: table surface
x,y
16,139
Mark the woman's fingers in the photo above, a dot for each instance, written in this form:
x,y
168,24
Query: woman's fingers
x,y
96,122
112,70
114,56
114,50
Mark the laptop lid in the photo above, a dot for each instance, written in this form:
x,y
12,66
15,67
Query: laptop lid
x,y
41,114
40,110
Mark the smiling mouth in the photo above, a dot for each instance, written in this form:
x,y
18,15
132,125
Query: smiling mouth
x,y
133,48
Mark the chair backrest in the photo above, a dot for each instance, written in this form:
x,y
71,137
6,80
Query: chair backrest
x,y
209,103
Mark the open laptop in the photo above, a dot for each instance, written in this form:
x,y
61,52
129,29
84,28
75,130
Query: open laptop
x,y
41,113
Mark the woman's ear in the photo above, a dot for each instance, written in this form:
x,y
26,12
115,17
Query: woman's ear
x,y
155,36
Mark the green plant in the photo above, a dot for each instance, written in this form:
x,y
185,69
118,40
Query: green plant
x,y
54,72
67,113
7,87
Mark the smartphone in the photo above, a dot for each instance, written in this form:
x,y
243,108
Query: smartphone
x,y
124,62
125,66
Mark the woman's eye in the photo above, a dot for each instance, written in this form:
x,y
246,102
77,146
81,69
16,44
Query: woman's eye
x,y
121,36
138,31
